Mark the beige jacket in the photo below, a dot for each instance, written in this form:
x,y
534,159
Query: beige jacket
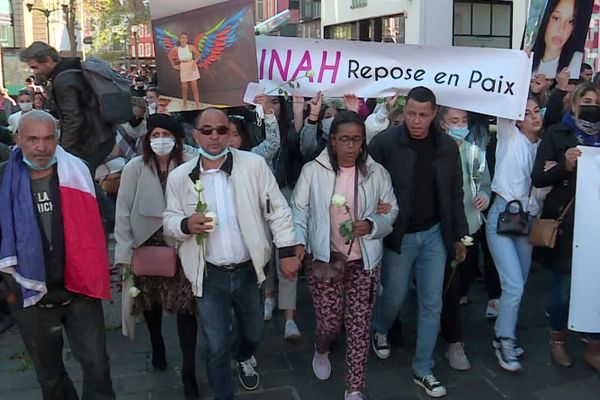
x,y
140,205
261,208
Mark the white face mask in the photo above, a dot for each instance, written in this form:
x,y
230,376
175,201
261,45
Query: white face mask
x,y
152,108
162,146
26,106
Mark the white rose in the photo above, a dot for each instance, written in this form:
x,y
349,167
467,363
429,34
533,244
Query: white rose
x,y
213,223
133,291
467,241
199,186
338,200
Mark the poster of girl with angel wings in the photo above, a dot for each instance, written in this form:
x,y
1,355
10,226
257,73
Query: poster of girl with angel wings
x,y
205,49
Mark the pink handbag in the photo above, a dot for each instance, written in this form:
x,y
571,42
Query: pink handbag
x,y
154,261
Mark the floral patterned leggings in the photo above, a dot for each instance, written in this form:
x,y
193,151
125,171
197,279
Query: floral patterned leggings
x,y
349,301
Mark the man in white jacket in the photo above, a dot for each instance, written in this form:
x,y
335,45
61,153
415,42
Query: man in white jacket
x,y
227,268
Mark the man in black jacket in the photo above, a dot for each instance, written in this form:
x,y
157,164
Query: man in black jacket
x,y
83,133
426,175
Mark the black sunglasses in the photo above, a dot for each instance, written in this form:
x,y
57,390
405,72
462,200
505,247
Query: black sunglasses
x,y
208,130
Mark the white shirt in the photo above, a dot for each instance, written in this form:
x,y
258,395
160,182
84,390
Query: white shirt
x,y
549,67
13,121
225,246
515,155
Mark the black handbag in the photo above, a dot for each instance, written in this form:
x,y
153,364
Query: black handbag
x,y
513,223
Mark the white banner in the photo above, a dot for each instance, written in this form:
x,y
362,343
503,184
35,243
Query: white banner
x,y
487,81
584,310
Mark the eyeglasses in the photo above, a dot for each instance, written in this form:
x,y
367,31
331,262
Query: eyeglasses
x,y
347,139
208,130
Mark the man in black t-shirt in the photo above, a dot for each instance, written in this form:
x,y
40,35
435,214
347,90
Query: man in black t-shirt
x,y
41,322
426,173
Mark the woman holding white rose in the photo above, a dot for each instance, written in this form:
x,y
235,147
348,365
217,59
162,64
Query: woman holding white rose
x,y
476,198
343,207
138,226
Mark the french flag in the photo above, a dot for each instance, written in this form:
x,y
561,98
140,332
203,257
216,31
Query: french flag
x,y
86,261
21,250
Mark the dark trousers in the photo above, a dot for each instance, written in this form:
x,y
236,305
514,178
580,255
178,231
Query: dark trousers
x,y
222,291
187,329
42,333
469,268
450,318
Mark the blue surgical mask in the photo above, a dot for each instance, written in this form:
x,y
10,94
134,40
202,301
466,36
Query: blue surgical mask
x,y
326,126
34,167
213,157
459,134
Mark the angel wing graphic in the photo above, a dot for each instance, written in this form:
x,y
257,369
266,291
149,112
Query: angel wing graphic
x,y
212,44
166,39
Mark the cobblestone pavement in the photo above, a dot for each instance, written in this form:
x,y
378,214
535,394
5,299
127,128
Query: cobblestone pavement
x,y
286,371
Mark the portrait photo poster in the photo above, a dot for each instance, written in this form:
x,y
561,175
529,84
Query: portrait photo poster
x,y
205,52
556,33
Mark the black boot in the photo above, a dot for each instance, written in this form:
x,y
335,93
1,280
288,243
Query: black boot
x,y
154,322
187,328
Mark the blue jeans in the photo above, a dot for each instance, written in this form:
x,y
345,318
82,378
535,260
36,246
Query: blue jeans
x,y
424,254
221,291
560,293
512,256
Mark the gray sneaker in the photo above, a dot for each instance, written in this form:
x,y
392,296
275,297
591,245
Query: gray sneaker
x,y
291,331
321,366
457,358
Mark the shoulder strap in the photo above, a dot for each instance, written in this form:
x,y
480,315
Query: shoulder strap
x,y
562,215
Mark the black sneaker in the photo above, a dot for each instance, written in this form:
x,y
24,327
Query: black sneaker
x,y
519,351
247,373
432,386
381,345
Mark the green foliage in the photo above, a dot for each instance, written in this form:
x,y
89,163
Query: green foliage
x,y
112,21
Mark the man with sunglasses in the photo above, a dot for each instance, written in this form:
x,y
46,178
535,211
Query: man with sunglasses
x,y
226,267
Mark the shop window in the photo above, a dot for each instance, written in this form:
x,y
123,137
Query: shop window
x,y
483,23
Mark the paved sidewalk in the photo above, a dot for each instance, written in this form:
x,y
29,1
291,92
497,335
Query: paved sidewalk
x,y
286,371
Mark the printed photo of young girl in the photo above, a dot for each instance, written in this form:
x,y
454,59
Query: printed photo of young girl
x,y
561,37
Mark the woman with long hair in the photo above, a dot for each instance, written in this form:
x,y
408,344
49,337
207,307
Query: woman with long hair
x,y
343,170
515,153
561,37
555,166
138,223
186,55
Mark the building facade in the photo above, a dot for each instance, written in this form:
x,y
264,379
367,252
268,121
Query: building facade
x,y
309,25
141,44
479,23
591,46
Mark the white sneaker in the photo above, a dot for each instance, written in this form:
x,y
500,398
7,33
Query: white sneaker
x,y
269,308
321,366
291,330
457,358
354,396
491,311
506,355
